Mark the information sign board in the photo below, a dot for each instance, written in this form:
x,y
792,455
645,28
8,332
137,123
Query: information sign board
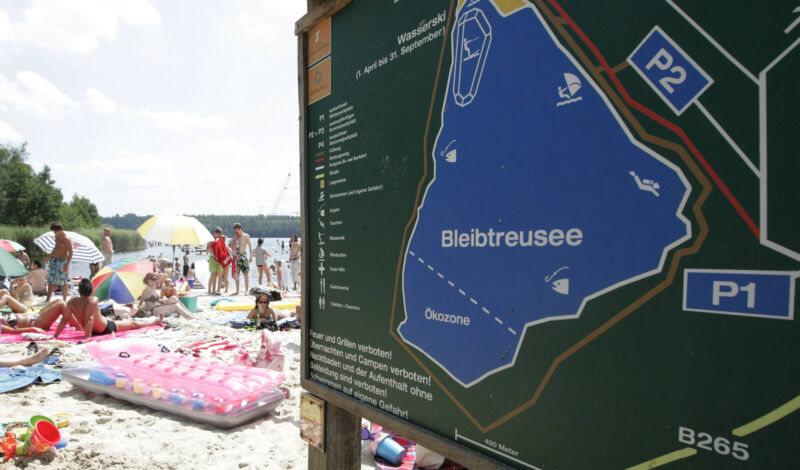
x,y
513,244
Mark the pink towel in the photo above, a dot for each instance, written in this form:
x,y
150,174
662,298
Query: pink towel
x,y
72,335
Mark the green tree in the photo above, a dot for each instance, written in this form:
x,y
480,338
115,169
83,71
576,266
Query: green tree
x,y
80,212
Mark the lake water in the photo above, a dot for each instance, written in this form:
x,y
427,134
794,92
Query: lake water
x,y
272,245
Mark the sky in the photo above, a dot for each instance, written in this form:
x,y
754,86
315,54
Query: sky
x,y
156,107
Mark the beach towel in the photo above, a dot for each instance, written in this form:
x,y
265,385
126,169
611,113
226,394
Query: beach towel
x,y
71,334
18,377
221,252
226,319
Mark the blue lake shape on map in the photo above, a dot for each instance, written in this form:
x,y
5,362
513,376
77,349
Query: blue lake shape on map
x,y
527,143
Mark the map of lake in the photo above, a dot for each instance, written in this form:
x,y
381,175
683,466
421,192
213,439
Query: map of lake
x,y
578,207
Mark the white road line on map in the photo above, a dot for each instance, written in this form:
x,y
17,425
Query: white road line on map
x,y
441,276
794,23
498,320
421,260
727,138
411,253
512,331
473,301
780,56
461,292
451,283
430,267
762,132
486,310
713,41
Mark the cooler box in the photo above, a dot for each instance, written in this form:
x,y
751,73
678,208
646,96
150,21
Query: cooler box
x,y
190,301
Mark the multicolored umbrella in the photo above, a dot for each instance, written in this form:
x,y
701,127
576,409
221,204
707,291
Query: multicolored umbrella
x,y
11,245
175,230
121,280
82,248
10,266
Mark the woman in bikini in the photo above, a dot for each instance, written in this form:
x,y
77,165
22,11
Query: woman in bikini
x,y
33,323
262,312
20,298
151,303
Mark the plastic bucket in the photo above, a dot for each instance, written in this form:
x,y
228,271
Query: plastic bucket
x,y
390,450
190,302
45,435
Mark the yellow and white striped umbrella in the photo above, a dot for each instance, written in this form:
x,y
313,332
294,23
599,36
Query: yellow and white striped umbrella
x,y
175,230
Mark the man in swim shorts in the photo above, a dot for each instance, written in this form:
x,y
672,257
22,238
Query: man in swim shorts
x,y
58,270
107,246
84,314
240,244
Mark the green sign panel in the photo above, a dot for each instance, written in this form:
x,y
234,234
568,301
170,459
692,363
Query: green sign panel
x,y
560,233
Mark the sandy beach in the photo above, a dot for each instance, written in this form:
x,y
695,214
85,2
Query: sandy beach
x,y
105,432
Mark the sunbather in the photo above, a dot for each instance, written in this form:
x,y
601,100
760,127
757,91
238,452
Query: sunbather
x,y
262,312
83,313
33,323
151,303
20,298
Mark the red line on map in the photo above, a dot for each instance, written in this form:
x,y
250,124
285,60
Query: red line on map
x,y
319,160
661,120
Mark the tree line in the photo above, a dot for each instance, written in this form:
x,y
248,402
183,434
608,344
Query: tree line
x,y
31,198
256,225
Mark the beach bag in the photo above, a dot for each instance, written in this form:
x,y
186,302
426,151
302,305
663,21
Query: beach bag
x,y
269,355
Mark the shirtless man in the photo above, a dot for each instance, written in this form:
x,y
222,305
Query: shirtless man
x,y
294,258
59,259
24,259
107,246
84,314
240,244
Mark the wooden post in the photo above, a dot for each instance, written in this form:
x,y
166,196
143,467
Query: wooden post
x,y
342,442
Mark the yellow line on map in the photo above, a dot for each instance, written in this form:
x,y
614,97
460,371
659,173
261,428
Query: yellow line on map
x,y
665,459
768,418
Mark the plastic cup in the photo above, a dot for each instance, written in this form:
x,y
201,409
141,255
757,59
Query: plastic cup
x,y
121,379
390,450
138,386
158,392
45,435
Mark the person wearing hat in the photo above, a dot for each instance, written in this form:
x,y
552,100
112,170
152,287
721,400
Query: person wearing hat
x,y
107,246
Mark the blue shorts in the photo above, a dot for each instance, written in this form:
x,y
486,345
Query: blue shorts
x,y
55,272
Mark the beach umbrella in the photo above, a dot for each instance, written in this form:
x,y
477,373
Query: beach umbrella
x,y
82,248
10,266
121,280
10,245
175,230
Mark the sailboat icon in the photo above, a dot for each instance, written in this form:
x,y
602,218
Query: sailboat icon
x,y
568,92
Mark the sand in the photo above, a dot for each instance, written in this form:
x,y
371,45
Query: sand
x,y
108,433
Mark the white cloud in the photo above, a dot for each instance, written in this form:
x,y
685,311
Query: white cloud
x,y
32,93
229,145
260,28
100,102
180,120
76,26
9,135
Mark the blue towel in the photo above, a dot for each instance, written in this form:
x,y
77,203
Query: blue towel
x,y
19,377
226,319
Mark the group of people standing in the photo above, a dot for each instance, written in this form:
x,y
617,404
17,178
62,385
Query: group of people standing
x,y
237,255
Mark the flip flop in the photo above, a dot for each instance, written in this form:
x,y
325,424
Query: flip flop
x,y
53,358
32,348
